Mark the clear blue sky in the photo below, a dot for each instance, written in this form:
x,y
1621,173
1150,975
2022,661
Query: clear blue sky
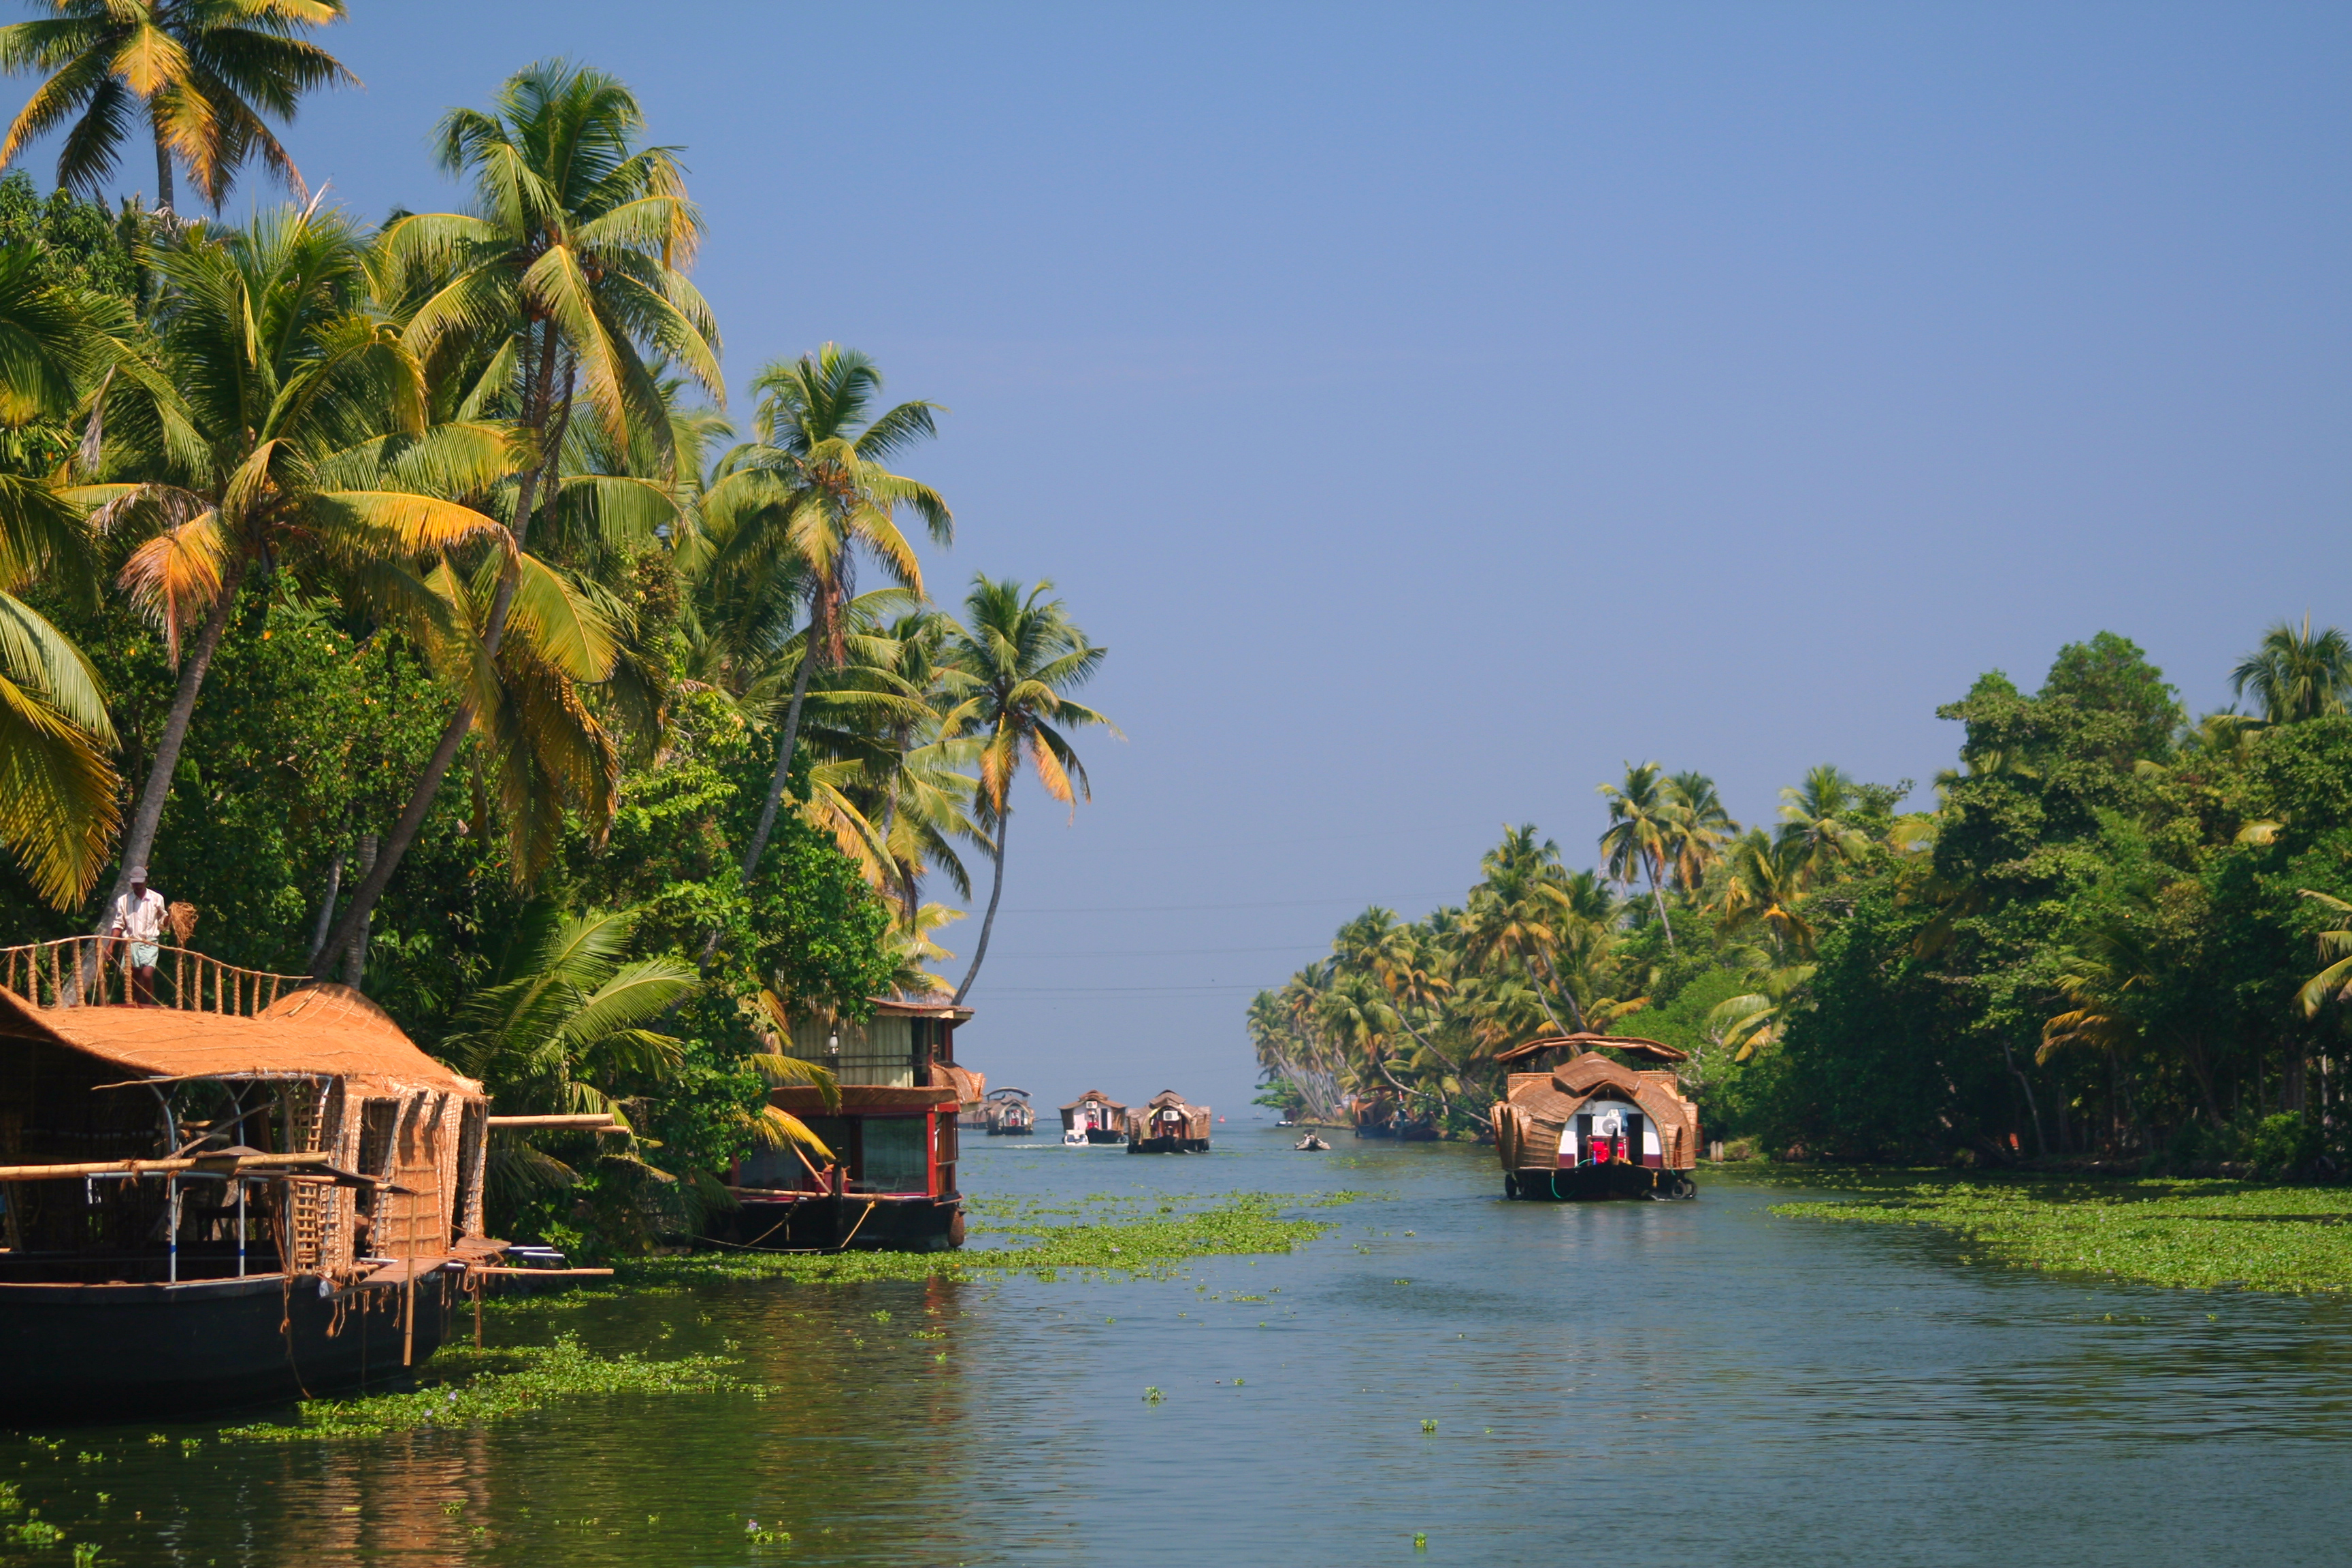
x,y
1435,407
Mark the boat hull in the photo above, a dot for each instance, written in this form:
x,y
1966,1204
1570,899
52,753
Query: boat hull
x,y
819,1221
1585,1184
1010,1131
1104,1135
95,1351
1168,1146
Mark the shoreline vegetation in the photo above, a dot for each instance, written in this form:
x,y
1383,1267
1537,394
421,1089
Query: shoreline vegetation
x,y
2109,934
2195,1235
406,597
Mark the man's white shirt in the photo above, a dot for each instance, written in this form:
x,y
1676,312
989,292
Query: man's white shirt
x,y
141,920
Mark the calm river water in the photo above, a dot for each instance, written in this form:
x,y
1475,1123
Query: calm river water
x,y
1622,1383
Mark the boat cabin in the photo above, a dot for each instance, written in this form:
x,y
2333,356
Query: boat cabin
x,y
1386,1116
243,1185
1095,1116
1009,1113
1579,1122
1167,1125
892,1131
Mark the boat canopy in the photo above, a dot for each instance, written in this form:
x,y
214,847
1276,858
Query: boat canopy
x,y
320,1032
1585,1040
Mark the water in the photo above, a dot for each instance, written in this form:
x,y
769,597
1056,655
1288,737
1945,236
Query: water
x,y
1626,1384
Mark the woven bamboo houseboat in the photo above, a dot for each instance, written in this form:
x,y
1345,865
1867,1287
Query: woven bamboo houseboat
x,y
1384,1116
248,1186
891,1184
1010,1114
1096,1116
1167,1125
1580,1124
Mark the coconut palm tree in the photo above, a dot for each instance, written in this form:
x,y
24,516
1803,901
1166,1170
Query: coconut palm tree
x,y
1023,652
1762,889
298,431
1698,829
812,492
563,284
1643,821
1747,1023
205,72
1820,822
2295,675
1521,909
58,811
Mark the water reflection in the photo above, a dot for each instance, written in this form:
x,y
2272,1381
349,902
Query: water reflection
x,y
1767,1390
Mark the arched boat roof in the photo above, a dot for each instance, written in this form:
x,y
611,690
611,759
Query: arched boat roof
x,y
1631,1045
320,1031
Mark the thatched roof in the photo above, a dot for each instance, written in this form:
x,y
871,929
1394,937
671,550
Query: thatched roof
x,y
1094,1097
1631,1045
322,1031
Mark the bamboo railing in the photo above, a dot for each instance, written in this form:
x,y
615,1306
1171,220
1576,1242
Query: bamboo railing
x,y
95,971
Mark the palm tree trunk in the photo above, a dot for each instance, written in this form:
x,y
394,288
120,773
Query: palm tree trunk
x,y
163,167
356,955
1659,898
768,807
140,842
326,909
995,891
453,734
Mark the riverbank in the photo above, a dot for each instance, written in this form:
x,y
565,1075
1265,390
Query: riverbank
x,y
2191,1235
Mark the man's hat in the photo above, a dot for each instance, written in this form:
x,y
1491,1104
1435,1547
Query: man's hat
x,y
138,873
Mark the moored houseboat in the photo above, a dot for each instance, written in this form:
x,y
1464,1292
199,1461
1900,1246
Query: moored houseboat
x,y
244,1186
1381,1116
1095,1116
1010,1114
1167,1125
1578,1124
892,1129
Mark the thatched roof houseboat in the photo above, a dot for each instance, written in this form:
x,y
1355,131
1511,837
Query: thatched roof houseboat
x,y
891,1183
247,1186
1009,1113
1167,1125
1097,1117
1386,1116
1579,1123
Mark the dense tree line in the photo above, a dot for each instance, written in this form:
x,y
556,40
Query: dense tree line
x,y
2118,935
405,599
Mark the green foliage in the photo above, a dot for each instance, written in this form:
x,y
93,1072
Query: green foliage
x,y
79,242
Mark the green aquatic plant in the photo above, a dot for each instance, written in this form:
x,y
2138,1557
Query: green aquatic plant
x,y
1151,1396
2199,1235
532,1377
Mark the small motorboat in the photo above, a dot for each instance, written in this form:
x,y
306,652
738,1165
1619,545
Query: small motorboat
x,y
1311,1142
1075,1138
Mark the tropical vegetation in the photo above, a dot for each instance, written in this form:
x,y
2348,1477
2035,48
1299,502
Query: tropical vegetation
x,y
401,596
2111,936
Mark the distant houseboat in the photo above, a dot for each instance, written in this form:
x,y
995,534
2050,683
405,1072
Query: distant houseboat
x,y
1009,1113
891,1183
1167,1125
1095,1116
1580,1124
246,1187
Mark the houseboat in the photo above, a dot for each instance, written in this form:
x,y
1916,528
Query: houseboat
x,y
892,1131
1578,1123
1167,1125
1010,1114
229,1187
1096,1118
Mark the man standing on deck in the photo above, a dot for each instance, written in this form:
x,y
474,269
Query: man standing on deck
x,y
139,920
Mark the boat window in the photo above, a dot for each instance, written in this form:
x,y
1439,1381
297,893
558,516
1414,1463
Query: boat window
x,y
781,1168
897,1155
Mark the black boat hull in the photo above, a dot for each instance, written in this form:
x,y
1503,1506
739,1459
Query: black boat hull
x,y
822,1223
96,1352
1168,1146
1586,1183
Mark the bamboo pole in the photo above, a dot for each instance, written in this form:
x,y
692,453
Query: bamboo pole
x,y
587,1121
242,1162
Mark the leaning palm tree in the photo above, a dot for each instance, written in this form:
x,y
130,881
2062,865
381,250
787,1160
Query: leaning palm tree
x,y
297,429
563,284
1021,652
2295,675
58,811
1643,820
205,72
813,492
